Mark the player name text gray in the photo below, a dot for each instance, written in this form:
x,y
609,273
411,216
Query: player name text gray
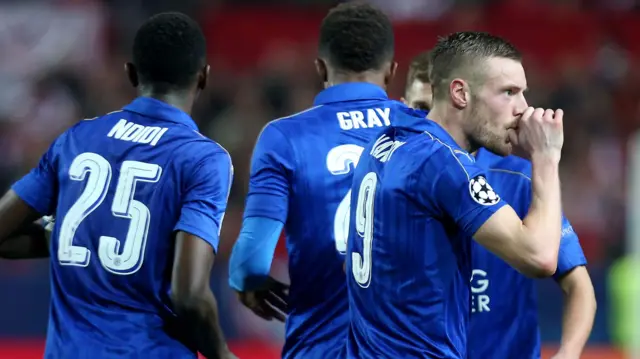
x,y
369,118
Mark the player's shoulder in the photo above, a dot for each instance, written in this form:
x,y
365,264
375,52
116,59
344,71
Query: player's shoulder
x,y
282,129
199,149
433,143
85,126
293,120
98,121
419,144
508,166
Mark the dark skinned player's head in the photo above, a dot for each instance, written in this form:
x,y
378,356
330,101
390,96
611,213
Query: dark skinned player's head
x,y
169,56
356,40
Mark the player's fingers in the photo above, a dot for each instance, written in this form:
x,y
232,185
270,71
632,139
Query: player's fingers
x,y
260,310
537,114
282,295
253,303
272,311
559,116
277,302
281,292
513,137
281,317
526,115
276,285
548,116
277,315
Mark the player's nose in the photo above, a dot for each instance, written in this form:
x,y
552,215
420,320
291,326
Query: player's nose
x,y
521,105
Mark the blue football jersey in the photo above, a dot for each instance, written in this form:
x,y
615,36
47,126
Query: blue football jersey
x,y
120,185
408,270
301,175
504,319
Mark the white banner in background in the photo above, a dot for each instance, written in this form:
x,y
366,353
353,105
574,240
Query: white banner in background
x,y
34,37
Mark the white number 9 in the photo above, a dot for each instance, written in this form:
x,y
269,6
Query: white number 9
x,y
361,264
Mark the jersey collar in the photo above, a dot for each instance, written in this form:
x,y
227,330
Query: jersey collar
x,y
151,107
438,131
352,91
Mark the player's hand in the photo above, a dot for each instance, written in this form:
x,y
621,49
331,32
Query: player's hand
x,y
268,302
540,133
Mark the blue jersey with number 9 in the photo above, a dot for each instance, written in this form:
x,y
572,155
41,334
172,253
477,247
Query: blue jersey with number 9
x,y
120,186
408,271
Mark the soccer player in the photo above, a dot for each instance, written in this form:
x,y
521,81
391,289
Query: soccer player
x,y
417,91
301,174
139,195
504,320
418,197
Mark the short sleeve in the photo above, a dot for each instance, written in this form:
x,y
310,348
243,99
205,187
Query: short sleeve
x,y
39,188
272,165
570,255
204,199
460,190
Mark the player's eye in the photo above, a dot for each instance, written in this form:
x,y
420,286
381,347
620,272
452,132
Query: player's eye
x,y
510,92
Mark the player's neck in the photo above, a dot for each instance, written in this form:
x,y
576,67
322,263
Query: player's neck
x,y
182,100
371,77
453,126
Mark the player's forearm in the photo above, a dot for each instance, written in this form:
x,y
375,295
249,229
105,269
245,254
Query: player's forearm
x,y
253,252
28,242
544,220
200,315
579,312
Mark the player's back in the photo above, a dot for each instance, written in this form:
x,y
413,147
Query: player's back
x,y
325,144
121,179
408,269
500,294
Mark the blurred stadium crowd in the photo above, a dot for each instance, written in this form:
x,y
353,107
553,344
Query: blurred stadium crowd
x,y
62,61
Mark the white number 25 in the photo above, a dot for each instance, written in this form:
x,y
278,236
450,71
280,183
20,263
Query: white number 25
x,y
340,161
115,256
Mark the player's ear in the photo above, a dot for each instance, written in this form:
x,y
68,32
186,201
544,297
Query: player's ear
x,y
132,73
458,90
321,69
391,73
203,77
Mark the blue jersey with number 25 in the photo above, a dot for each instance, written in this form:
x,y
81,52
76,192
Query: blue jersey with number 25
x,y
120,185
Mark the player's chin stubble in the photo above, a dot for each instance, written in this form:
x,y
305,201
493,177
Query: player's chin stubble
x,y
494,141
